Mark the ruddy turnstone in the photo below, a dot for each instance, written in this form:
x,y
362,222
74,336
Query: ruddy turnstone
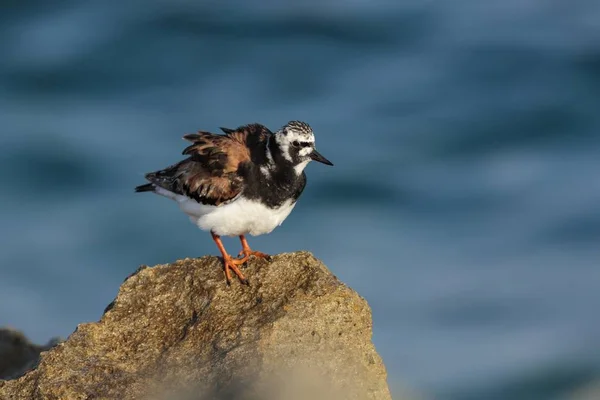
x,y
246,181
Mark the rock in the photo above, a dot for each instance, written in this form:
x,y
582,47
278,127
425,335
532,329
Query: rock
x,y
178,331
18,354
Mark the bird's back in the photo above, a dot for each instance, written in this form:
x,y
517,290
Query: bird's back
x,y
212,174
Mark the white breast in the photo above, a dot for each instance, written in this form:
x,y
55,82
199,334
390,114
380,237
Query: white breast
x,y
239,217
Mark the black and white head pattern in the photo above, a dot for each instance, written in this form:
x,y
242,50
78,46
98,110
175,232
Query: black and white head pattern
x,y
296,141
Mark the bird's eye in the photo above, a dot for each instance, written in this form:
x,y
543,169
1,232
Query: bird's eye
x,y
295,143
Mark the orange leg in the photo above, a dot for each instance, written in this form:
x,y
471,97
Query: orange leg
x,y
230,263
247,251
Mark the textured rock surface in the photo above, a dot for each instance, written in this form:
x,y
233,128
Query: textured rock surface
x,y
295,333
17,353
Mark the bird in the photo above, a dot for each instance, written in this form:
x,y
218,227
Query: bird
x,y
242,181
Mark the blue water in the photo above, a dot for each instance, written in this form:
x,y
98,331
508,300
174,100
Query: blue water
x,y
464,201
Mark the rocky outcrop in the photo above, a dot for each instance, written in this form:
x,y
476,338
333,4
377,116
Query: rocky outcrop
x,y
177,331
18,354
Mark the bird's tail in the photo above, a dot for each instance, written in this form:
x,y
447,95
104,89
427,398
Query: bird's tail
x,y
148,187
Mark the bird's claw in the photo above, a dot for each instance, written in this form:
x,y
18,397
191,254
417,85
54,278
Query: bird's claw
x,y
257,254
231,264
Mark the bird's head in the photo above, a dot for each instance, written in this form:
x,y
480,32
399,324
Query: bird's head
x,y
297,143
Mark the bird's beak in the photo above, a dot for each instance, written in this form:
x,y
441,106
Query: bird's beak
x,y
318,157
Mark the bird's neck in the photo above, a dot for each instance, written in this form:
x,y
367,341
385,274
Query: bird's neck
x,y
275,180
279,162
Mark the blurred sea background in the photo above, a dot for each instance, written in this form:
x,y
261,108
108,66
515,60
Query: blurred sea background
x,y
464,204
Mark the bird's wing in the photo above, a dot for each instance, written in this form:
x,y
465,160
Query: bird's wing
x,y
210,174
253,137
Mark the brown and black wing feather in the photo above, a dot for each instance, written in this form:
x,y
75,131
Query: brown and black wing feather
x,y
211,173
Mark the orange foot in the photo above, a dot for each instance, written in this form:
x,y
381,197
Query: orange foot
x,y
247,251
229,263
